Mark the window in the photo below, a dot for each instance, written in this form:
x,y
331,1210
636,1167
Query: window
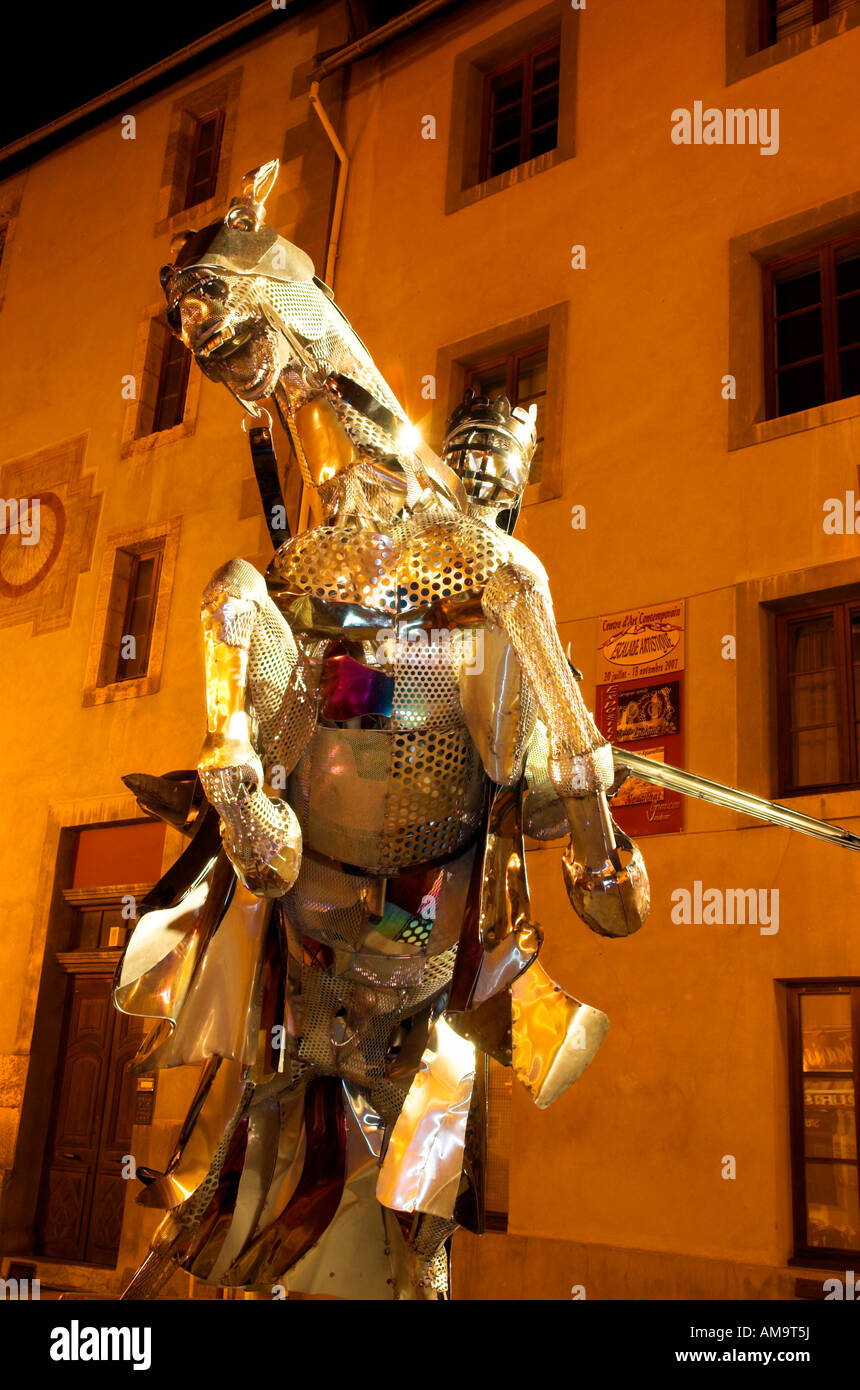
x,y
162,407
524,359
133,602
818,685
521,375
779,18
172,385
812,327
824,1076
205,153
131,612
520,111
513,104
142,590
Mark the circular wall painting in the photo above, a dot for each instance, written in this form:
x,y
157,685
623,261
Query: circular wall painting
x,y
25,560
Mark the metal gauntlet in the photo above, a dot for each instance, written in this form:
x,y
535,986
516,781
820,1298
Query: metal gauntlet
x,y
580,759
260,834
603,870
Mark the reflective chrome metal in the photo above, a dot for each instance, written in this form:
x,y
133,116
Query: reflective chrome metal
x,y
424,1160
490,447
554,1036
376,708
690,784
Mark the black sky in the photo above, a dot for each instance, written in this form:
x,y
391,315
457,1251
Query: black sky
x,y
59,56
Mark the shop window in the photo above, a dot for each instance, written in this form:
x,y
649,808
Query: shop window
x,y
824,1074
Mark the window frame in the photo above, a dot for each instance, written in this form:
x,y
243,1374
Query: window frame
x,y
846,711
100,683
455,360
825,254
526,61
217,114
803,1252
767,35
172,346
148,366
555,21
154,550
511,358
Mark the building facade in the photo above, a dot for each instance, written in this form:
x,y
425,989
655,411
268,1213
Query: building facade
x,y
645,217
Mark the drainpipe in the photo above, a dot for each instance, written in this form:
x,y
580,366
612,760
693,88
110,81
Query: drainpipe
x,y
341,58
340,195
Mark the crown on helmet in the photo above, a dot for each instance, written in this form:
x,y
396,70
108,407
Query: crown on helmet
x,y
489,445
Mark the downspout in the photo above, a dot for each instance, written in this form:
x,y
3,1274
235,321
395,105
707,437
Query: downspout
x,y
343,57
340,194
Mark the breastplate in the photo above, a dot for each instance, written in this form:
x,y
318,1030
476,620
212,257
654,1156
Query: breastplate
x,y
423,559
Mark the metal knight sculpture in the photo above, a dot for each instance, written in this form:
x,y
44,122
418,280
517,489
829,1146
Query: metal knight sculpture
x,y
348,935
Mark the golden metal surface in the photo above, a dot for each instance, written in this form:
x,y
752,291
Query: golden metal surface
x,y
424,1161
325,443
554,1036
193,1162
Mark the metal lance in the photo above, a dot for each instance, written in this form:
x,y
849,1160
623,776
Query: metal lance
x,y
689,784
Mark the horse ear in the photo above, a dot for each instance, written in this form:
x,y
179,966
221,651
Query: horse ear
x,y
259,183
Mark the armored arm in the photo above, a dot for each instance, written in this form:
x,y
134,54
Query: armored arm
x,y
604,874
256,697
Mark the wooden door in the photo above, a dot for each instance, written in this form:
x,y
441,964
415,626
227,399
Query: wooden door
x,y
83,1190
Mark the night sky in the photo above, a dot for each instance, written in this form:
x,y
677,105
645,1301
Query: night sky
x,y
60,56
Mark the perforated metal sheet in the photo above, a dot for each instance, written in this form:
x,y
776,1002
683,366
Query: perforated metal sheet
x,y
544,816
426,557
580,759
426,690
434,795
347,1021
282,684
328,336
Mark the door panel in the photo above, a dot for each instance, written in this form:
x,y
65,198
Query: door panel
x,y
83,1190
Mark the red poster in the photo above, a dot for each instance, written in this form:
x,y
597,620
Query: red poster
x,y
645,715
640,705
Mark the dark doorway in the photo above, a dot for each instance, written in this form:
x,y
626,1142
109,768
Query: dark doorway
x,y
83,1190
